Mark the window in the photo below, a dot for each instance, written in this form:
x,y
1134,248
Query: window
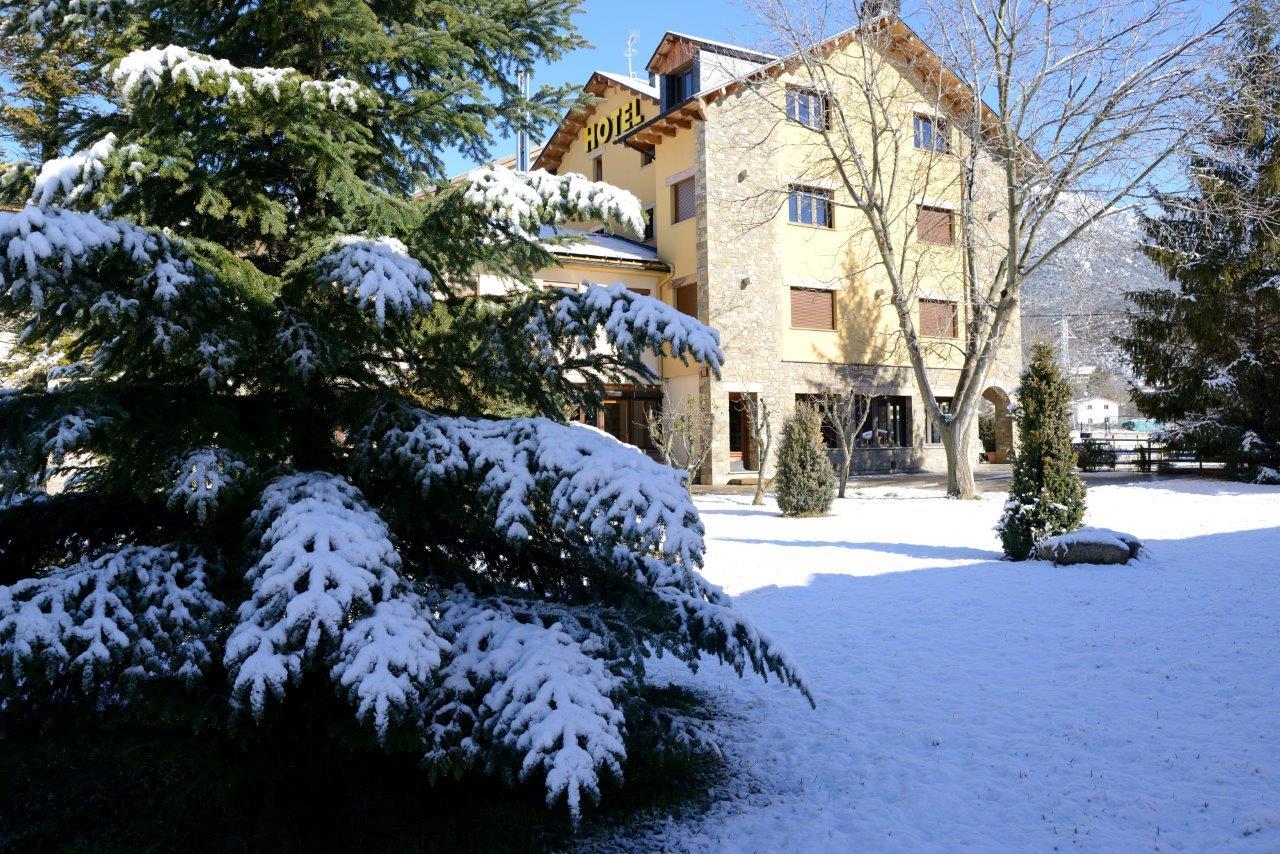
x,y
624,414
811,206
807,107
931,134
813,309
935,438
648,225
938,318
889,425
597,168
830,430
683,200
687,300
677,87
644,292
936,225
647,155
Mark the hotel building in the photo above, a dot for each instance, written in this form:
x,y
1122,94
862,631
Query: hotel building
x,y
740,236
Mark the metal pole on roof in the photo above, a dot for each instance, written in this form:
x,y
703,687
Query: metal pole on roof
x,y
524,78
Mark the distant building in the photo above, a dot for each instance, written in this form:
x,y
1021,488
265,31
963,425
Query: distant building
x,y
1095,412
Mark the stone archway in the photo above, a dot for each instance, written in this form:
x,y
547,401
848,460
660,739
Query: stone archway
x,y
999,399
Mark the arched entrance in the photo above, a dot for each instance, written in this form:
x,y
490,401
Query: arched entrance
x,y
998,441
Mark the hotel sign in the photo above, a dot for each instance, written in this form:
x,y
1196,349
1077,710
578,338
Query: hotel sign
x,y
618,122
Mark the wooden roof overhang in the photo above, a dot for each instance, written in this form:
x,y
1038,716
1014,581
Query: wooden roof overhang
x,y
653,132
576,118
956,95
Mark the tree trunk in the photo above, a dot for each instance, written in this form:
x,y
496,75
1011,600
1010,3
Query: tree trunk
x,y
845,463
955,439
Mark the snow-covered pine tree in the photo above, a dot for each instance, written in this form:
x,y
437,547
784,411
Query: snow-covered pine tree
x,y
1208,350
270,407
1046,496
806,481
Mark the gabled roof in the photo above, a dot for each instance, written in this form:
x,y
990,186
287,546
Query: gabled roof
x,y
671,39
574,120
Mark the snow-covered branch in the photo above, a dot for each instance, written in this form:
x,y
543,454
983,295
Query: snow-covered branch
x,y
517,686
632,324
326,593
523,202
143,72
378,272
202,479
136,614
46,246
66,179
627,511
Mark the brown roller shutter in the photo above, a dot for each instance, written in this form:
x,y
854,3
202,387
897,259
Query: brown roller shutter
x,y
687,299
938,318
936,225
684,200
813,309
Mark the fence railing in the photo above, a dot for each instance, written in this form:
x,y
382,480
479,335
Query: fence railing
x,y
1098,452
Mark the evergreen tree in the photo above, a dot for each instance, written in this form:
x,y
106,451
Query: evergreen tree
x,y
57,86
1046,497
805,482
1208,350
271,407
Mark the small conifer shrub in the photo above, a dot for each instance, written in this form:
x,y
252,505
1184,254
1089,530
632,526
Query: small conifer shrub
x,y
806,480
1047,496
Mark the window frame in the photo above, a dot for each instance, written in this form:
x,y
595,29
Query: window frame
x,y
648,154
650,233
920,231
816,199
675,200
939,133
800,104
934,437
955,317
901,422
830,294
597,168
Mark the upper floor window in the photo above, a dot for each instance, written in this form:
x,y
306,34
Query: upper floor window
x,y
683,200
649,233
807,107
936,225
677,87
812,308
647,155
938,318
597,168
811,206
931,134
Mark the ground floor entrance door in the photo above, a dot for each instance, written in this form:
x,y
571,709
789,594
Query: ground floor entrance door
x,y
739,434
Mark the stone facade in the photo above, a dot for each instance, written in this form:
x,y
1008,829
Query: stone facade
x,y
742,294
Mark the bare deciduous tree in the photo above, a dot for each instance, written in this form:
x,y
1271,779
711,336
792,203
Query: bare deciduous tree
x,y
946,196
682,434
761,433
847,412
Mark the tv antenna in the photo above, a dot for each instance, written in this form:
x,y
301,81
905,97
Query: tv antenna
x,y
632,38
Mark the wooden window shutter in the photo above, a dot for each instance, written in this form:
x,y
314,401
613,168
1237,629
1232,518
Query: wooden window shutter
x,y
938,318
684,200
813,309
687,300
936,225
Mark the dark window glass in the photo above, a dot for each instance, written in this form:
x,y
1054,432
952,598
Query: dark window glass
x,y
597,167
889,425
647,155
934,436
648,225
678,86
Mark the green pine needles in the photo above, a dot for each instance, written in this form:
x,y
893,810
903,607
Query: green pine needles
x,y
805,481
1047,496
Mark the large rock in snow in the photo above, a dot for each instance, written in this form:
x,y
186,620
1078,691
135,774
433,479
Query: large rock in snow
x,y
1089,545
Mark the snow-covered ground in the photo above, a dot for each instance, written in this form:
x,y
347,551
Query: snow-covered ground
x,y
965,702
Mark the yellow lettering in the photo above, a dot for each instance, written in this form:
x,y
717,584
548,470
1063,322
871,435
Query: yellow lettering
x,y
590,135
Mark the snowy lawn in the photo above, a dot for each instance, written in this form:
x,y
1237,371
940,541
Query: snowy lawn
x,y
969,702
